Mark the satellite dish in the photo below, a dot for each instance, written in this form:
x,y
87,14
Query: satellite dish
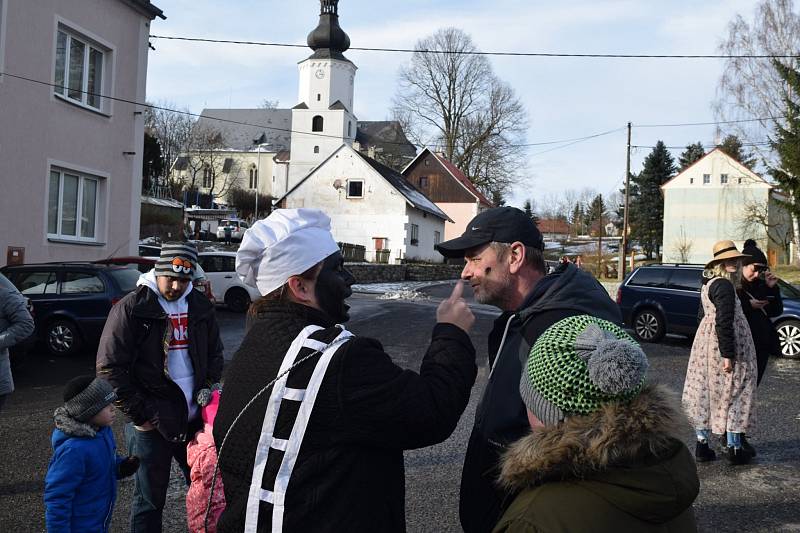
x,y
337,184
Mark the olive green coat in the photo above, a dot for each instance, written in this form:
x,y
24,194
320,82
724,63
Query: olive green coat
x,y
619,469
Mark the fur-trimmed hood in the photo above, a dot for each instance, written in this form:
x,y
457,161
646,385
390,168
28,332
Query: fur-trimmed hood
x,y
71,427
631,449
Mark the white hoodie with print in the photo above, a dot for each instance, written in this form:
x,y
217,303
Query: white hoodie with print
x,y
179,364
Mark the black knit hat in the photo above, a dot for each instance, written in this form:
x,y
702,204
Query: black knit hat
x,y
756,255
177,260
85,396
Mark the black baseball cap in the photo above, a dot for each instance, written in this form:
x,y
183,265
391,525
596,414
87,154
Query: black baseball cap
x,y
501,224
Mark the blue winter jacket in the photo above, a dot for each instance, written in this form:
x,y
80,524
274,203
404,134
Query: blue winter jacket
x,y
81,483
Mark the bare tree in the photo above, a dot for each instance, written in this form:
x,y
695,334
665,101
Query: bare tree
x,y
683,246
455,101
266,103
755,220
209,165
750,88
172,129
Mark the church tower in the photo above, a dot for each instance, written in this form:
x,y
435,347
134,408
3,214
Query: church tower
x,y
323,119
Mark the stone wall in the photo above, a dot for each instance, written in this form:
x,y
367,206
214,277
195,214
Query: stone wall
x,y
376,273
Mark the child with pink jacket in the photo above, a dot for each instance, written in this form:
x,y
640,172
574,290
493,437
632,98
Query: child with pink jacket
x,y
201,454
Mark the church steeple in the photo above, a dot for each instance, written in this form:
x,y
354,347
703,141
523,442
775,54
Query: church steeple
x,y
328,39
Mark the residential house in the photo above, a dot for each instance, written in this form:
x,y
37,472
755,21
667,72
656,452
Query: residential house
x,y
71,141
554,229
448,187
371,205
718,198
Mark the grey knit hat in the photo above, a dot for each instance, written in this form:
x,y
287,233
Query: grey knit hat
x,y
85,396
579,364
177,260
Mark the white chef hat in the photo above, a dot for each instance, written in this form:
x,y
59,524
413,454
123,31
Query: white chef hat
x,y
286,243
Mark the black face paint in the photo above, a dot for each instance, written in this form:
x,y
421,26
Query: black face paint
x,y
333,288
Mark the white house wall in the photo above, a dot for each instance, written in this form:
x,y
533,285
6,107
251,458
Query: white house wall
x,y
428,225
381,213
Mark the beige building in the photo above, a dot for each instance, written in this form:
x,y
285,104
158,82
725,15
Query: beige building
x,y
70,143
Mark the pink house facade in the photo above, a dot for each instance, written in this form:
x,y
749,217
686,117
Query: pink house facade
x,y
70,142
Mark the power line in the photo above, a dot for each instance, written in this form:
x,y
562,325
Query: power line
x,y
715,123
496,53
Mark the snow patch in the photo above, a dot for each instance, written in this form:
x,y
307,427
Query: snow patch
x,y
404,295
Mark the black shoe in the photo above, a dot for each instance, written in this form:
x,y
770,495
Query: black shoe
x,y
748,447
703,453
738,456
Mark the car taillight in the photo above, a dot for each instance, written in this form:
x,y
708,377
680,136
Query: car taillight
x,y
619,295
114,301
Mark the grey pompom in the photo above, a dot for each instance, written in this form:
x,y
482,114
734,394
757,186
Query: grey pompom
x,y
617,366
589,339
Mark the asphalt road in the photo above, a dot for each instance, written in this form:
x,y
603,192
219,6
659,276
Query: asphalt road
x,y
763,496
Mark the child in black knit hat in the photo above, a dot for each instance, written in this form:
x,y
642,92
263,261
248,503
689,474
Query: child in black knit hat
x,y
80,486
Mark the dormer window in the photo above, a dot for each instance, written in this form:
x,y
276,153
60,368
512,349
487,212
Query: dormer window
x,y
316,123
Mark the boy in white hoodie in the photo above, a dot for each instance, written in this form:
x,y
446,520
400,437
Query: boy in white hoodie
x,y
161,351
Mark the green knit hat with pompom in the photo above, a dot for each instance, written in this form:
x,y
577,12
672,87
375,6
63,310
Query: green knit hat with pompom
x,y
577,365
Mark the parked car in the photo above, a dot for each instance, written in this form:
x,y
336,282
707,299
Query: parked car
x,y
238,228
145,264
149,250
21,348
665,298
71,301
220,268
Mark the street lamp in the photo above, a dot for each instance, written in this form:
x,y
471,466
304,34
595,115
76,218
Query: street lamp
x,y
258,175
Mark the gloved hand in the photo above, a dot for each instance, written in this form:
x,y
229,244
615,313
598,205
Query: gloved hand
x,y
204,395
128,466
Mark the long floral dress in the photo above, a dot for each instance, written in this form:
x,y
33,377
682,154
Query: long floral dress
x,y
713,398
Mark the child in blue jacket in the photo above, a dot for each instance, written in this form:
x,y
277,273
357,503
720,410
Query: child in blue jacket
x,y
81,483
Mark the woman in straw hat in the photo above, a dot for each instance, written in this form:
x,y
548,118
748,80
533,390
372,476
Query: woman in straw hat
x,y
720,387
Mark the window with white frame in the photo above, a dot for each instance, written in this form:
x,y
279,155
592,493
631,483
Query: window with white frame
x,y
723,178
437,237
207,177
355,188
79,69
706,179
72,206
414,235
253,177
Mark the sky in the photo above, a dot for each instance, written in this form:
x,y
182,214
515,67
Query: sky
x,y
565,98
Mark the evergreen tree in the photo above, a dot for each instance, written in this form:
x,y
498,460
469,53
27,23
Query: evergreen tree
x,y
576,221
694,152
647,206
732,146
526,207
786,144
497,199
595,213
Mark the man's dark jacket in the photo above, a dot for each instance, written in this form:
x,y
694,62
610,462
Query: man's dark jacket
x,y
349,475
132,357
765,337
501,417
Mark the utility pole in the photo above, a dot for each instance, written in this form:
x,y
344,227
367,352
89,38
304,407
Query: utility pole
x,y
623,249
600,241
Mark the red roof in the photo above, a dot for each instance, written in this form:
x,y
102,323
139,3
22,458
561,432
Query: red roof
x,y
465,181
553,225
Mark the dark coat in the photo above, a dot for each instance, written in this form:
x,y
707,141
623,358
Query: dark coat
x,y
723,295
501,417
621,468
765,337
132,357
16,325
349,475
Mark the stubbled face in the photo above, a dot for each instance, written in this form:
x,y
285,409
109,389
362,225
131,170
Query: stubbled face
x,y
333,288
488,275
105,417
171,288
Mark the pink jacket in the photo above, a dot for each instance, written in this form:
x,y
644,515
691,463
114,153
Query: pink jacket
x,y
201,455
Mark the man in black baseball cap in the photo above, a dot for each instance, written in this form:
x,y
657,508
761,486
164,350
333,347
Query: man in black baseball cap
x,y
504,253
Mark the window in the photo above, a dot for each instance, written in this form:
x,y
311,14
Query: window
x,y
319,97
79,69
649,277
414,234
81,283
316,149
355,188
349,128
739,181
218,263
316,123
723,178
72,206
437,237
706,179
691,180
253,177
37,282
686,280
423,182
207,177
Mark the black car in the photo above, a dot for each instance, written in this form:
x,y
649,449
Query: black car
x,y
665,298
71,301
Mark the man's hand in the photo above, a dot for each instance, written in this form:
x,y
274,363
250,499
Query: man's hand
x,y
727,365
454,310
147,426
128,466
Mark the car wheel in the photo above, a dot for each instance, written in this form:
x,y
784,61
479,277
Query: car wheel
x,y
237,300
789,337
648,325
62,338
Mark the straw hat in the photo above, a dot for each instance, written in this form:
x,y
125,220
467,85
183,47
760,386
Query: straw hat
x,y
724,250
